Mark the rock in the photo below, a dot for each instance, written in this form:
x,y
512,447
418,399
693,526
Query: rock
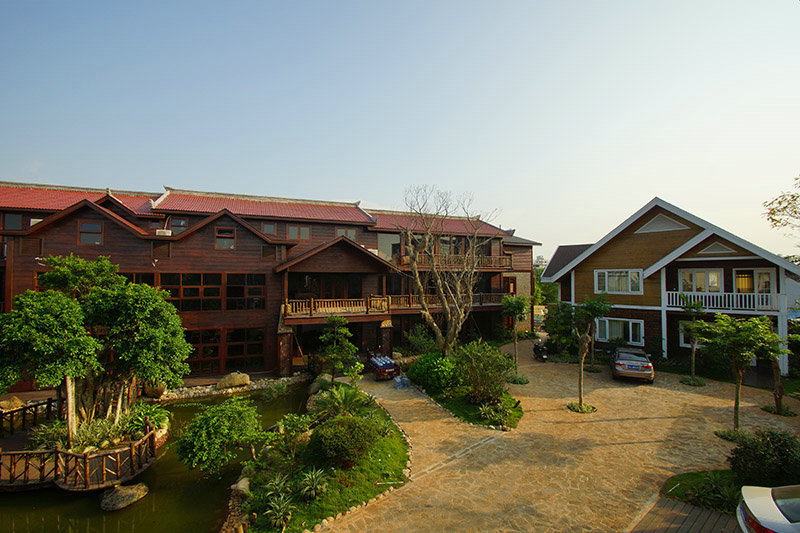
x,y
122,496
317,384
11,403
234,379
154,390
311,403
242,486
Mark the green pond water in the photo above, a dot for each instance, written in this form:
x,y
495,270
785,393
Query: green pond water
x,y
179,499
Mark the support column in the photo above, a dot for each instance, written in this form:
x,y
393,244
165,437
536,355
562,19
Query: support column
x,y
386,338
285,353
663,313
783,320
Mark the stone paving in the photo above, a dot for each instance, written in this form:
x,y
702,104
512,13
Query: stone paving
x,y
558,471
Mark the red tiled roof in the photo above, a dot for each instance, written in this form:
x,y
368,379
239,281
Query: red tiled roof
x,y
54,199
267,207
453,226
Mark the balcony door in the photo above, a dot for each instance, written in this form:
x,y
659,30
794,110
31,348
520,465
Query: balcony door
x,y
758,282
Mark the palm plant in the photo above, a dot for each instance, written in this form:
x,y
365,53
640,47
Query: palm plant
x,y
313,483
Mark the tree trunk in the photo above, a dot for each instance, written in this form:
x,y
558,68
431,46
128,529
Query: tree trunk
x,y
118,411
739,371
516,367
71,418
591,327
778,392
580,384
694,351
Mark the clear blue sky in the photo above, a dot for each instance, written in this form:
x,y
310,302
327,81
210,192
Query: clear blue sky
x,y
567,116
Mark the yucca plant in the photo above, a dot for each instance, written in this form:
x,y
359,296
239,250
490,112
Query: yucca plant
x,y
313,483
340,401
279,511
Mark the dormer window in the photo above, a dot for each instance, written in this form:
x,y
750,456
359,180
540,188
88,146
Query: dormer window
x,y
225,238
179,225
90,233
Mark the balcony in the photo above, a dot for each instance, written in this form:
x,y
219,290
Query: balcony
x,y
375,305
491,262
728,301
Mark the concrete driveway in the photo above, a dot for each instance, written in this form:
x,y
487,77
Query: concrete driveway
x,y
558,471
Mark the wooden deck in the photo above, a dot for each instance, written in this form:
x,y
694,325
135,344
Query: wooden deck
x,y
678,517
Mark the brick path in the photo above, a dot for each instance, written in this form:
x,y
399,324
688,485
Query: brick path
x,y
679,517
558,471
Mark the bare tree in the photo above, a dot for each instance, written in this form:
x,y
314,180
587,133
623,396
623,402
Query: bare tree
x,y
439,218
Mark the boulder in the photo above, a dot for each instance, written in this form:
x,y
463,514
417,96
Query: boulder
x,y
234,379
122,496
317,384
154,390
11,403
242,486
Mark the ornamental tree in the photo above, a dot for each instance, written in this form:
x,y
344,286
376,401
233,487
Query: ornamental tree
x,y
742,341
694,310
588,312
337,351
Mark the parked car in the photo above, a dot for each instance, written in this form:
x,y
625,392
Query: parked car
x,y
769,510
632,363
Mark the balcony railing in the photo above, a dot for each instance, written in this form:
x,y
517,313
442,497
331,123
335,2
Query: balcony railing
x,y
727,301
375,304
483,261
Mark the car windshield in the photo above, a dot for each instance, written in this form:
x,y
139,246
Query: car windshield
x,y
788,501
631,356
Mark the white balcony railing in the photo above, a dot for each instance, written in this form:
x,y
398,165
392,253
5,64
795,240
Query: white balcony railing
x,y
727,301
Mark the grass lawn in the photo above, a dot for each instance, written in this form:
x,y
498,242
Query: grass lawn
x,y
456,402
717,490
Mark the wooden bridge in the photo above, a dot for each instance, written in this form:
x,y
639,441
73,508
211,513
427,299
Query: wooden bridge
x,y
22,470
29,415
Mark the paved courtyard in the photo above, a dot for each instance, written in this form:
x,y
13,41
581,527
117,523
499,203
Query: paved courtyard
x,y
558,471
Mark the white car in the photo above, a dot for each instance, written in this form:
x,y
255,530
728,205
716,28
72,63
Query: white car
x,y
769,510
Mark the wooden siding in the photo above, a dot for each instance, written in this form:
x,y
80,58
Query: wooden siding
x,y
521,257
631,250
738,251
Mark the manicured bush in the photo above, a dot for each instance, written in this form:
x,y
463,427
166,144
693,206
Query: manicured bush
x,y
768,457
420,340
344,439
484,371
435,373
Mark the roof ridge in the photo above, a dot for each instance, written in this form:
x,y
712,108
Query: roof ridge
x,y
410,213
47,186
256,198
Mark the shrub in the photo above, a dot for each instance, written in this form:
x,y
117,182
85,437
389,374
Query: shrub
x,y
279,388
715,491
133,422
769,458
518,379
785,410
420,340
559,323
495,414
313,484
484,370
279,510
732,435
583,409
434,373
340,400
344,439
696,381
49,436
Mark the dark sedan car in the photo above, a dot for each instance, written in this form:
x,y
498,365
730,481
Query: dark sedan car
x,y
632,363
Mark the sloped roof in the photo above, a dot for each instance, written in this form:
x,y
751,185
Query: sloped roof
x,y
519,241
563,256
54,198
324,246
133,228
708,229
176,200
395,220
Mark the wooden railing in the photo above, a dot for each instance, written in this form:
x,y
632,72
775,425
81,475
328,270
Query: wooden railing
x,y
726,301
28,415
375,304
447,260
77,471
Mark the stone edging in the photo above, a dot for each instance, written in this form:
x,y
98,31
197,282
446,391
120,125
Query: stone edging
x,y
210,391
233,523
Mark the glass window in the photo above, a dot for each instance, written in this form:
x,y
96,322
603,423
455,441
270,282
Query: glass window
x,y
618,281
225,239
700,280
302,233
268,227
245,291
193,291
350,233
630,331
12,221
91,233
179,225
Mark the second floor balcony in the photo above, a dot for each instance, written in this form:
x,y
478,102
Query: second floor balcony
x,y
488,262
728,301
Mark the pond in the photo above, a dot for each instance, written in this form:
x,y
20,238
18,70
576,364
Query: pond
x,y
179,499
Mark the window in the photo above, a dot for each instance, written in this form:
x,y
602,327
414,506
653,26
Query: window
x,y
389,245
450,245
683,340
700,280
90,233
245,349
12,221
302,233
225,239
631,331
148,278
155,224
754,281
618,281
350,233
179,225
193,291
269,228
245,291
205,355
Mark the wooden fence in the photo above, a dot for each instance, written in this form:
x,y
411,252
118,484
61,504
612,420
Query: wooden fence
x,y
29,415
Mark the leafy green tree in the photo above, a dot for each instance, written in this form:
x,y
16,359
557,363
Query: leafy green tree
x,y
337,351
741,340
559,323
218,433
694,310
543,293
516,307
484,370
589,311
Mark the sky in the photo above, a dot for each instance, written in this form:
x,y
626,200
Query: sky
x,y
563,117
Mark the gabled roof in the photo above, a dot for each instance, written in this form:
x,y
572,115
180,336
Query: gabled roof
x,y
563,256
519,241
322,247
216,216
36,197
396,220
133,228
185,201
708,229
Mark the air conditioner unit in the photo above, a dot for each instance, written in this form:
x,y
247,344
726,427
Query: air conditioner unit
x,y
164,232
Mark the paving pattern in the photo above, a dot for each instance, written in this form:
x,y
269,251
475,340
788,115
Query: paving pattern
x,y
558,471
679,517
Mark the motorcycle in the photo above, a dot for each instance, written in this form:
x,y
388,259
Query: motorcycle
x,y
540,352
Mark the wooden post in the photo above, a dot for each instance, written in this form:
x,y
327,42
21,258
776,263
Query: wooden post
x,y
311,307
58,461
103,468
27,467
11,426
86,469
133,457
71,419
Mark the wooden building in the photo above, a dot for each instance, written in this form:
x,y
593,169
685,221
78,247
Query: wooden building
x,y
253,278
